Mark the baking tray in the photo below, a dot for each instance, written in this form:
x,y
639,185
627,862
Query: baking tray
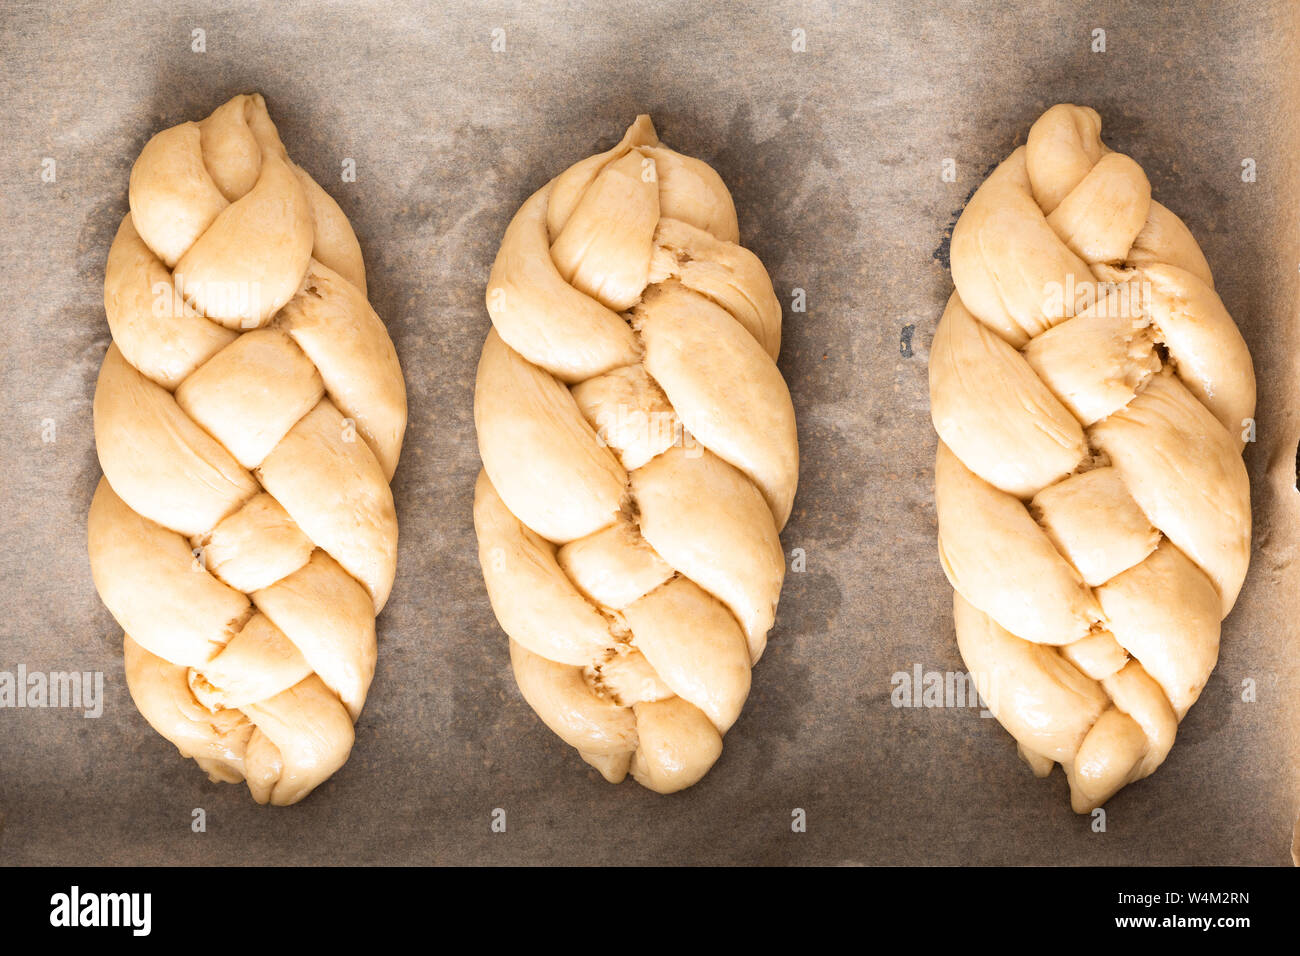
x,y
835,155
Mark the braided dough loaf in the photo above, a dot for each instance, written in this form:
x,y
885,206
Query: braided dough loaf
x,y
249,416
639,459
1094,509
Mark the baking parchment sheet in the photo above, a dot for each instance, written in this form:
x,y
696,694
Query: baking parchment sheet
x,y
453,114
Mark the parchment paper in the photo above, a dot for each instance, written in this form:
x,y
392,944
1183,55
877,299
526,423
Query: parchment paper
x,y
835,156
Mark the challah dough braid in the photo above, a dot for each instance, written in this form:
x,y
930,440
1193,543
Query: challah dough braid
x,y
1094,509
249,416
639,459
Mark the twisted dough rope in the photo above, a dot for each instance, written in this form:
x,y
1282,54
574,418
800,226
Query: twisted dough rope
x,y
1094,509
639,459
251,408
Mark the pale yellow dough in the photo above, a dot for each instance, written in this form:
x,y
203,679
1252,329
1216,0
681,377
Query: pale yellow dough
x,y
639,459
1094,509
248,417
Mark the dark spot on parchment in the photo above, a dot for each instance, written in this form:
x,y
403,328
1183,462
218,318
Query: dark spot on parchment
x,y
943,251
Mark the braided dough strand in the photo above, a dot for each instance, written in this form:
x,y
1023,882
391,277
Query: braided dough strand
x,y
249,416
639,459
1092,398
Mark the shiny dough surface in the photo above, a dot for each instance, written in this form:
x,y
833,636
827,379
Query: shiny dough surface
x,y
249,416
639,459
1092,398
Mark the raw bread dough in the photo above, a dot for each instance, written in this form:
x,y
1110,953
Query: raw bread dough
x,y
639,459
1092,398
248,417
